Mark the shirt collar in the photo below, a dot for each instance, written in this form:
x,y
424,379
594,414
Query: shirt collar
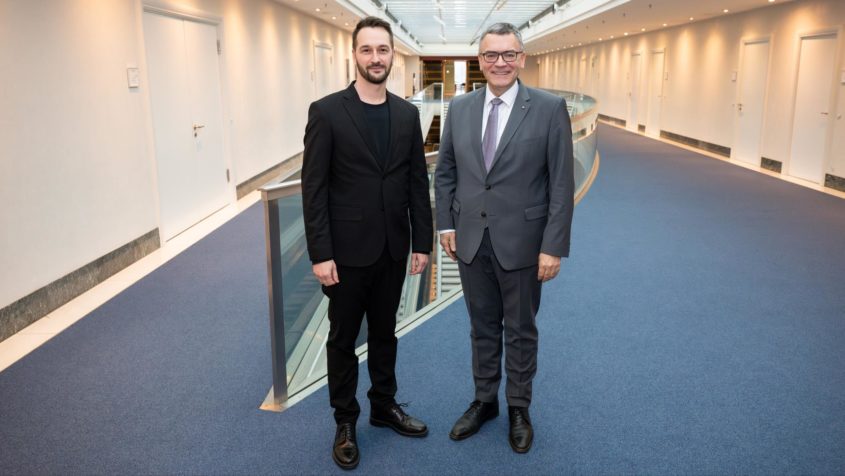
x,y
508,97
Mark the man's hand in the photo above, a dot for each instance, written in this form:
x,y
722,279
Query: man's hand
x,y
447,242
418,262
326,273
549,267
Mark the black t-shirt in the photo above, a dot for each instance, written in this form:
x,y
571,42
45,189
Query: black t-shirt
x,y
378,120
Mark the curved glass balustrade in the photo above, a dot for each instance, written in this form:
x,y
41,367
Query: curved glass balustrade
x,y
298,309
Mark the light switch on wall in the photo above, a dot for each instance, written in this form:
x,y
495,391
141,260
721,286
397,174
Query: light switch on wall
x,y
133,77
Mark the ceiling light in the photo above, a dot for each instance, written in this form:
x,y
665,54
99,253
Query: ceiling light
x,y
725,10
642,29
317,9
664,24
626,33
334,18
691,18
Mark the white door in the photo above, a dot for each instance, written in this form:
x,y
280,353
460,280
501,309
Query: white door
x,y
323,84
655,94
187,120
750,102
634,93
812,108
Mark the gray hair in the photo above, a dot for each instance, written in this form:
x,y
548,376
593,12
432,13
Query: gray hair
x,y
503,29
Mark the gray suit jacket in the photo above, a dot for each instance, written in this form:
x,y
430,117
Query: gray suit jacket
x,y
527,198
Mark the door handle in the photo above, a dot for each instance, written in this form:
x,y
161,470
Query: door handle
x,y
197,127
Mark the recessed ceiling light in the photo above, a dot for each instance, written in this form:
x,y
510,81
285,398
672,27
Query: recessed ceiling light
x,y
691,18
664,24
626,33
317,9
611,37
725,10
334,18
642,29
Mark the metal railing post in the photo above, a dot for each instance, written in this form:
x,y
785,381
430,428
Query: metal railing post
x,y
274,288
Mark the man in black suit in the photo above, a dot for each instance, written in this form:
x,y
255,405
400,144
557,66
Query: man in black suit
x,y
366,205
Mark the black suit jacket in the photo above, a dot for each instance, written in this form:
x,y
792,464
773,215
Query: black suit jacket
x,y
354,207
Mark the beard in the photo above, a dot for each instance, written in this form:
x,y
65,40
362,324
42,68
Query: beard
x,y
372,78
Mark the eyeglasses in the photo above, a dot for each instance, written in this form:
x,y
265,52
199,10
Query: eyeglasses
x,y
493,56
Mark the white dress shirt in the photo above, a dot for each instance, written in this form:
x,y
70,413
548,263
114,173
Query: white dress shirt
x,y
508,99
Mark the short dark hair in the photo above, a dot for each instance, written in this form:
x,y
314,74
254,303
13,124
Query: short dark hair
x,y
503,29
371,22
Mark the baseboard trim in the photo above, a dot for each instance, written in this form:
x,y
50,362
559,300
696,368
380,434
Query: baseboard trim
x,y
41,302
771,164
698,144
834,182
613,120
279,171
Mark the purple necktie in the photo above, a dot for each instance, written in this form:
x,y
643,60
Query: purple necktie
x,y
488,144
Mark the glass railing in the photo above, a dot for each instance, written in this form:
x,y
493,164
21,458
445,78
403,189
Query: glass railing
x,y
429,102
298,309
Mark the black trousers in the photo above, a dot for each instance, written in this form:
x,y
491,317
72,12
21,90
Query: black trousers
x,y
375,291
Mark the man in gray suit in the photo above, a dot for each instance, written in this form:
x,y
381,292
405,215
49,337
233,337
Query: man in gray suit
x,y
504,188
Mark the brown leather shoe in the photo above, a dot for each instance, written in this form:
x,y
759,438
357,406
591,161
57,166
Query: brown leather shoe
x,y
394,417
345,451
470,422
521,434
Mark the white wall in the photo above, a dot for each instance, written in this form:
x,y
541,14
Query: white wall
x,y
700,58
412,65
76,181
396,80
530,75
76,158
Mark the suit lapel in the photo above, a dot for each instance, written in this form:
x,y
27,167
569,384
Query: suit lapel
x,y
355,109
518,112
476,113
395,125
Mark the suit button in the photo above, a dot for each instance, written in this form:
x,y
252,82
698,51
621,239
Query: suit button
x,y
487,187
483,214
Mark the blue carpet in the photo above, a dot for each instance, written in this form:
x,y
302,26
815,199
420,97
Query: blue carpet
x,y
699,328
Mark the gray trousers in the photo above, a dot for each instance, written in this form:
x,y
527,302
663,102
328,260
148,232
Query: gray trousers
x,y
499,300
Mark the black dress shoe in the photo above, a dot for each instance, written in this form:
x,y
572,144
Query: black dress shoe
x,y
392,416
345,451
521,434
470,422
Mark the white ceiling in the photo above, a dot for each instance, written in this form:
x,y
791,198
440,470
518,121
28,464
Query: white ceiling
x,y
460,21
632,17
577,21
